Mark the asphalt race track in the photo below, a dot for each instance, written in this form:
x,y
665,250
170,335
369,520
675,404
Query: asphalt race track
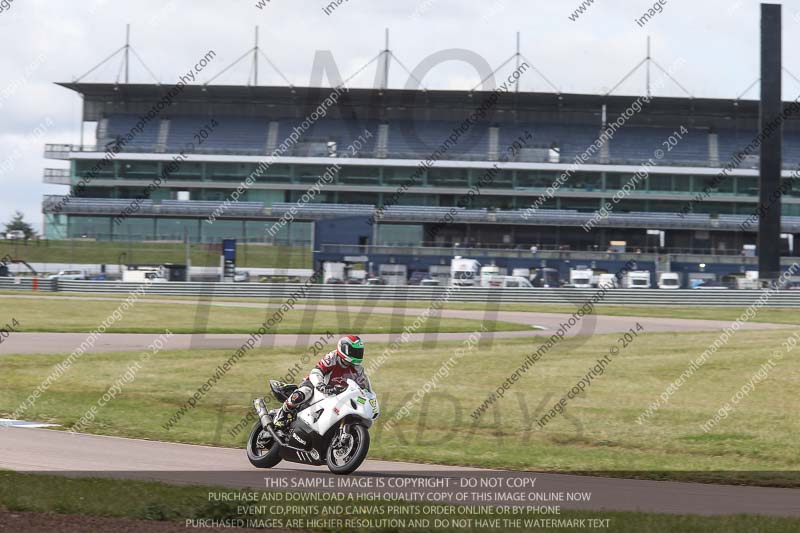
x,y
42,450
546,324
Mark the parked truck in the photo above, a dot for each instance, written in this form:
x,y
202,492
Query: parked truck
x,y
582,277
669,280
748,281
637,279
440,273
393,274
141,273
545,277
464,272
332,270
490,274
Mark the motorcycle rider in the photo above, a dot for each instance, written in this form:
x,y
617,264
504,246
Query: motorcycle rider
x,y
329,374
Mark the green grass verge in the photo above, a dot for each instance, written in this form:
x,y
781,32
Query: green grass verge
x,y
756,444
105,252
776,315
150,500
57,315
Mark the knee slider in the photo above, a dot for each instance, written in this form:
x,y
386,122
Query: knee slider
x,y
296,399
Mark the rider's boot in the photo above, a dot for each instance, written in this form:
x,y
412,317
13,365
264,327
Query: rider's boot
x,y
282,418
289,408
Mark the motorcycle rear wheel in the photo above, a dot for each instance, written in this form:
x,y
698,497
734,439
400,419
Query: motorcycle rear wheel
x,y
260,457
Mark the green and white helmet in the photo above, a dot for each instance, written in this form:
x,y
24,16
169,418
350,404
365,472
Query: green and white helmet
x,y
351,349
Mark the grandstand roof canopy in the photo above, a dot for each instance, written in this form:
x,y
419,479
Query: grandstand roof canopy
x,y
105,98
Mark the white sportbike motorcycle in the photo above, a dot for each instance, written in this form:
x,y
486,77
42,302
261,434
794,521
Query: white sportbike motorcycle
x,y
330,430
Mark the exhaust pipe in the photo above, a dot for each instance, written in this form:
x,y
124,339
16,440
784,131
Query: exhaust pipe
x,y
263,415
280,441
266,422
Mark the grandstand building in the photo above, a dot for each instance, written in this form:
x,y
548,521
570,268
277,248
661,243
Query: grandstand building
x,y
231,161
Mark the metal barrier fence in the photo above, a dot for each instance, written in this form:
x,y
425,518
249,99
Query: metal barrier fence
x,y
27,284
282,291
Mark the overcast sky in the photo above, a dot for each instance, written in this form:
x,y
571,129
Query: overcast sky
x,y
713,43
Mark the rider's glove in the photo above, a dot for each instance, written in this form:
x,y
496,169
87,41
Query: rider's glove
x,y
327,390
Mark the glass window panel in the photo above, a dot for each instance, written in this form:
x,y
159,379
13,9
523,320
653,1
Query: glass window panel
x,y
104,170
747,185
659,182
358,175
292,234
501,179
399,175
222,229
582,181
450,177
88,227
614,182
399,234
682,183
134,228
174,229
370,198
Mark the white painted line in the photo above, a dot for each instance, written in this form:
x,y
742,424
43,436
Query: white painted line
x,y
9,422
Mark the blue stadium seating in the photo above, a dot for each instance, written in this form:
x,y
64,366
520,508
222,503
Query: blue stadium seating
x,y
342,132
121,125
640,143
420,138
416,138
791,148
571,140
732,141
231,134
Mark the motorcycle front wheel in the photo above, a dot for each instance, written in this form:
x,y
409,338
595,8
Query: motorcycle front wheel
x,y
346,454
262,450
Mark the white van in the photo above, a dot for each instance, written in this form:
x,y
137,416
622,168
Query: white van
x,y
140,274
70,275
524,272
518,282
506,281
